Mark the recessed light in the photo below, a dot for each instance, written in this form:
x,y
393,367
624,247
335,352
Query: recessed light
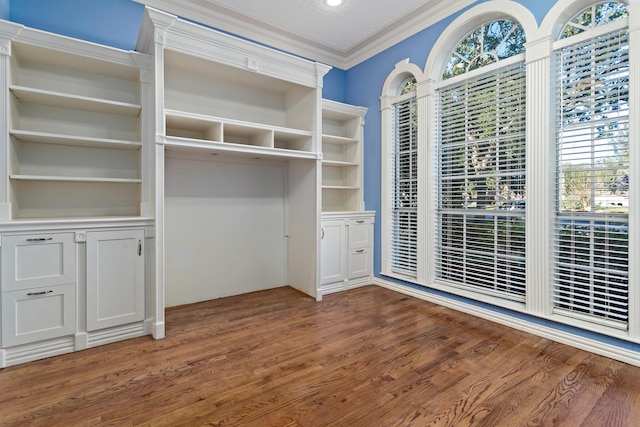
x,y
333,3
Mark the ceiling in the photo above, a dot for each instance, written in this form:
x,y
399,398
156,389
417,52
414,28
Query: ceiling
x,y
342,36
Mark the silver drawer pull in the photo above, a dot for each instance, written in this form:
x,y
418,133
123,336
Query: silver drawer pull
x,y
33,294
40,239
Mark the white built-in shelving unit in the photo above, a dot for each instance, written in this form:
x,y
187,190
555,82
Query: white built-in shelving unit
x,y
347,229
237,130
75,194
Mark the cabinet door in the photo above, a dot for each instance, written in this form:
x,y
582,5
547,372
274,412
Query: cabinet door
x,y
38,314
333,252
115,278
38,260
359,263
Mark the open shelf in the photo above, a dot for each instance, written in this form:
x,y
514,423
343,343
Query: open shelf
x,y
339,164
72,179
65,100
54,138
342,157
214,133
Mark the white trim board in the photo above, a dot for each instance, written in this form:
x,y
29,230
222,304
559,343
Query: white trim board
x,y
234,23
577,341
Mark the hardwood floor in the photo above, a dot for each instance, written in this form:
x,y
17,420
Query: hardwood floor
x,y
367,357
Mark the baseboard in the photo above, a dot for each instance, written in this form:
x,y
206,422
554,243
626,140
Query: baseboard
x,y
598,347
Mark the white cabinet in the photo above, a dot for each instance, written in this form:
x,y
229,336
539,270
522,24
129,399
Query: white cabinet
x,y
38,287
334,261
347,251
115,278
77,161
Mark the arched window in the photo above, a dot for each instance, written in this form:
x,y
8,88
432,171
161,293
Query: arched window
x,y
400,172
592,166
404,184
596,15
480,239
487,44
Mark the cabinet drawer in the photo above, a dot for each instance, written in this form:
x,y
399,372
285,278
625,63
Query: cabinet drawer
x,y
38,314
37,260
360,233
359,263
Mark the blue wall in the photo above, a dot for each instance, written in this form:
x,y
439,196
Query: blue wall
x,y
110,22
4,10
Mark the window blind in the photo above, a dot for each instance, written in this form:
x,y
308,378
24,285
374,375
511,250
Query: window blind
x,y
481,183
404,210
591,221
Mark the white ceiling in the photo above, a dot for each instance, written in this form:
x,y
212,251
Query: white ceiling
x,y
342,36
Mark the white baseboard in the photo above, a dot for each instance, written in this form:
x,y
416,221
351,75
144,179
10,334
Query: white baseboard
x,y
577,341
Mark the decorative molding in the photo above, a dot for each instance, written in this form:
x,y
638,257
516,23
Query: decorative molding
x,y
402,29
5,47
222,48
73,224
234,23
598,347
119,333
38,350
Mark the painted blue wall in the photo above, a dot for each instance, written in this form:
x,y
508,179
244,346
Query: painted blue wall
x,y
5,12
335,85
111,22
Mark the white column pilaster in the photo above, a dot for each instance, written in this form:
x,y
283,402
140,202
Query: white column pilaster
x,y
540,163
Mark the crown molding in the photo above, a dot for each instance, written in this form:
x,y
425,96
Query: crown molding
x,y
421,18
229,21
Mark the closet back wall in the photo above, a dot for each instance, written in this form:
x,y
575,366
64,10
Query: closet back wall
x,y
225,227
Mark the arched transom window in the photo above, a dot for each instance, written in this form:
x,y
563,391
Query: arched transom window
x,y
487,44
594,16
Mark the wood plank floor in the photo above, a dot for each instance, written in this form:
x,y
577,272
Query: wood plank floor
x,y
367,357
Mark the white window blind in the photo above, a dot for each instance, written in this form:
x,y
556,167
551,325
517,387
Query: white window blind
x,y
591,226
404,210
481,183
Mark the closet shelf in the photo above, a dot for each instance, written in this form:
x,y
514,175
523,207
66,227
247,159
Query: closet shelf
x,y
333,139
193,122
341,164
60,139
65,100
51,178
188,144
340,187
